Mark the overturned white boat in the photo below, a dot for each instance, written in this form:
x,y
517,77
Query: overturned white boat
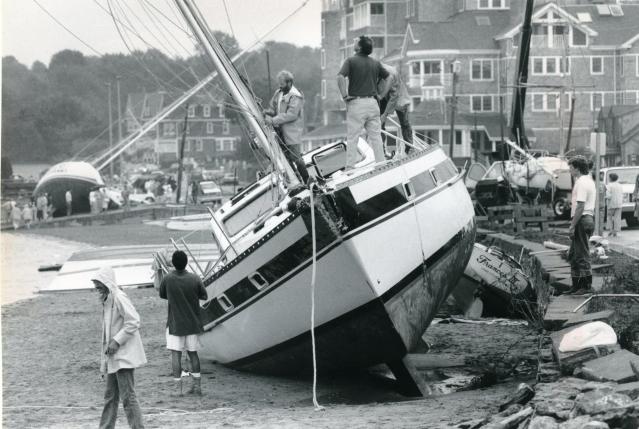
x,y
498,281
386,241
78,177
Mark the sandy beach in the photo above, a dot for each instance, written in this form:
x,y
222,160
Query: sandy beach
x,y
51,359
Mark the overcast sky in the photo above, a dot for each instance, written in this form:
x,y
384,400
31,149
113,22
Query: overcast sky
x,y
29,34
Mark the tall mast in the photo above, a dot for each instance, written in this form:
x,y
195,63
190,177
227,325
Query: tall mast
x,y
241,94
517,128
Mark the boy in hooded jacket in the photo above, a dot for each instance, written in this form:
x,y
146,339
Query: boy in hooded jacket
x,y
122,350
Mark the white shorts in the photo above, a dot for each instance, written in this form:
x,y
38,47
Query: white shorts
x,y
189,343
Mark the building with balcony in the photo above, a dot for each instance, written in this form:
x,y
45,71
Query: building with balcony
x,y
583,56
211,137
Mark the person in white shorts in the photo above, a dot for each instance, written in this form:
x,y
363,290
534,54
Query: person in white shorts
x,y
184,291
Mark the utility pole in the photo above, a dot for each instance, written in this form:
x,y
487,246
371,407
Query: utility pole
x,y
475,141
181,157
598,191
572,115
454,67
108,85
561,120
117,85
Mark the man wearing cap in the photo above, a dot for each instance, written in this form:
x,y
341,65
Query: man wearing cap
x,y
361,97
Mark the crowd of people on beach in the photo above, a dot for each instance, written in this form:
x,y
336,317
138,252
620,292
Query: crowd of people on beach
x,y
121,345
25,213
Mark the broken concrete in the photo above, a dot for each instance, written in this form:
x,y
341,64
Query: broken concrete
x,y
614,367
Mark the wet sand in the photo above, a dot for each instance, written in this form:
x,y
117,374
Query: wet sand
x,y
51,361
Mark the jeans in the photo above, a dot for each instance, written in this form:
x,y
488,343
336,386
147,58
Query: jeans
x,y
363,113
579,253
402,117
121,384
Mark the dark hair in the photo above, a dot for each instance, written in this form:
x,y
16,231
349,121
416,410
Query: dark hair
x,y
613,177
366,44
179,260
580,163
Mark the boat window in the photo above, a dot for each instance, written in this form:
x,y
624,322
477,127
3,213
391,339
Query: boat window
x,y
444,172
422,183
258,281
248,213
224,302
434,175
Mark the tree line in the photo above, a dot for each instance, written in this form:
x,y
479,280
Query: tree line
x,y
49,112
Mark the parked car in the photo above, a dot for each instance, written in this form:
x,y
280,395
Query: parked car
x,y
229,179
209,193
627,178
147,198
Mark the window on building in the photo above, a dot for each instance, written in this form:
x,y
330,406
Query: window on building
x,y
169,128
432,93
410,8
550,65
323,58
378,42
187,145
191,112
491,4
481,103
458,137
323,28
481,69
349,22
578,38
377,8
218,145
210,128
206,110
596,65
567,102
361,16
226,127
596,101
323,88
545,102
198,145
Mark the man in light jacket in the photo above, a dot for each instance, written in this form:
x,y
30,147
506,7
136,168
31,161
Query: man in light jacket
x,y
122,350
397,100
286,114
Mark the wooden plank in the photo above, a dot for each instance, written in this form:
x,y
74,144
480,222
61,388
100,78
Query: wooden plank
x,y
560,310
577,319
597,267
614,367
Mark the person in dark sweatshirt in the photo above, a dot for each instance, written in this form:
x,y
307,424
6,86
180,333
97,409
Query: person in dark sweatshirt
x,y
183,290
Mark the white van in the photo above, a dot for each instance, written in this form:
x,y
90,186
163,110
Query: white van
x,y
627,179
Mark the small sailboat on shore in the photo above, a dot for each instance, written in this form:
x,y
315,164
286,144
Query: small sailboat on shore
x,y
372,253
498,281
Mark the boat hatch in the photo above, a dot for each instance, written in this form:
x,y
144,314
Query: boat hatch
x,y
250,210
327,161
258,281
225,302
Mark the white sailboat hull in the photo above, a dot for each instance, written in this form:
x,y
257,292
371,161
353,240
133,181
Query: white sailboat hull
x,y
379,282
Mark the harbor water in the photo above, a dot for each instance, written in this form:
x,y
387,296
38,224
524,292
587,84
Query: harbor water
x,y
21,255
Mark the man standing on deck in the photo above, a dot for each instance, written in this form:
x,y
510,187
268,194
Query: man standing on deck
x,y
183,290
68,199
582,226
361,98
397,100
122,350
286,114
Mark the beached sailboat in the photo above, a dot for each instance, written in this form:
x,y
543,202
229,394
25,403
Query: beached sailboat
x,y
78,177
386,242
498,281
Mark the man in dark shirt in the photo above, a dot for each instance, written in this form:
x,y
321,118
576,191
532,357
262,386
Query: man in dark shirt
x,y
183,290
362,108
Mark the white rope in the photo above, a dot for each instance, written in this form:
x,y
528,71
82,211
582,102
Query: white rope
x,y
317,406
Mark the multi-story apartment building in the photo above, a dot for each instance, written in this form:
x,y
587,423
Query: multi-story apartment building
x,y
211,137
584,52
